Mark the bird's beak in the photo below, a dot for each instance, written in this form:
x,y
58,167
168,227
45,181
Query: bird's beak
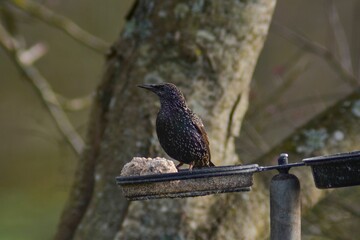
x,y
150,87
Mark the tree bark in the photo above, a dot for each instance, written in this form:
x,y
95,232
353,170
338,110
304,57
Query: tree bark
x,y
207,48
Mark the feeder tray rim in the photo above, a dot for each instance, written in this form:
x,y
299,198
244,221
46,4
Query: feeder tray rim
x,y
186,174
339,157
278,167
186,194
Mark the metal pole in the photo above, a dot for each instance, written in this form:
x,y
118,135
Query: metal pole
x,y
285,206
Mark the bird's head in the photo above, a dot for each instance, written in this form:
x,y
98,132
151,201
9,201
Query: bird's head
x,y
167,92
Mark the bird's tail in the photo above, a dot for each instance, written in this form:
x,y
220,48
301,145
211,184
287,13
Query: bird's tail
x,y
211,164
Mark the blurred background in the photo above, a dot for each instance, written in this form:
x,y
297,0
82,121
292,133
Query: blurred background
x,y
291,84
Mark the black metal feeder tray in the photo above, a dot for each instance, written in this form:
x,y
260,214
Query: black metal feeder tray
x,y
185,183
334,171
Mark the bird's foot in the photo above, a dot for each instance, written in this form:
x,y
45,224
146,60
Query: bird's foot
x,y
191,165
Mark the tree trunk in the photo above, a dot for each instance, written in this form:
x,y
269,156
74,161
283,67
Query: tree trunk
x,y
207,48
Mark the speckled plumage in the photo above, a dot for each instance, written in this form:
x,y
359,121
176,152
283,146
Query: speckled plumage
x,y
181,133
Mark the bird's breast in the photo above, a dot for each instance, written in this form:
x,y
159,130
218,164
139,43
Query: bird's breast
x,y
179,136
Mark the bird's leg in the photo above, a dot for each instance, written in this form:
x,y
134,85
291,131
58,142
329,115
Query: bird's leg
x,y
179,165
191,165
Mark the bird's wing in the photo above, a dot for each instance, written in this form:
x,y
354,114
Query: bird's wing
x,y
200,127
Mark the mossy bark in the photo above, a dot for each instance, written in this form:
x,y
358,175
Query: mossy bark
x,y
209,50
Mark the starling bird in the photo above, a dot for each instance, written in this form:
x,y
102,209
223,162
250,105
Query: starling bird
x,y
181,133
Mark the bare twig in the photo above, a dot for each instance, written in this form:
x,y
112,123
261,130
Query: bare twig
x,y
64,24
49,98
32,54
340,37
292,73
316,49
8,19
75,104
297,105
255,137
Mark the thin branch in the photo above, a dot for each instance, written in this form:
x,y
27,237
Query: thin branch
x,y
297,105
64,24
75,104
255,137
292,73
49,98
8,19
31,55
340,36
317,49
